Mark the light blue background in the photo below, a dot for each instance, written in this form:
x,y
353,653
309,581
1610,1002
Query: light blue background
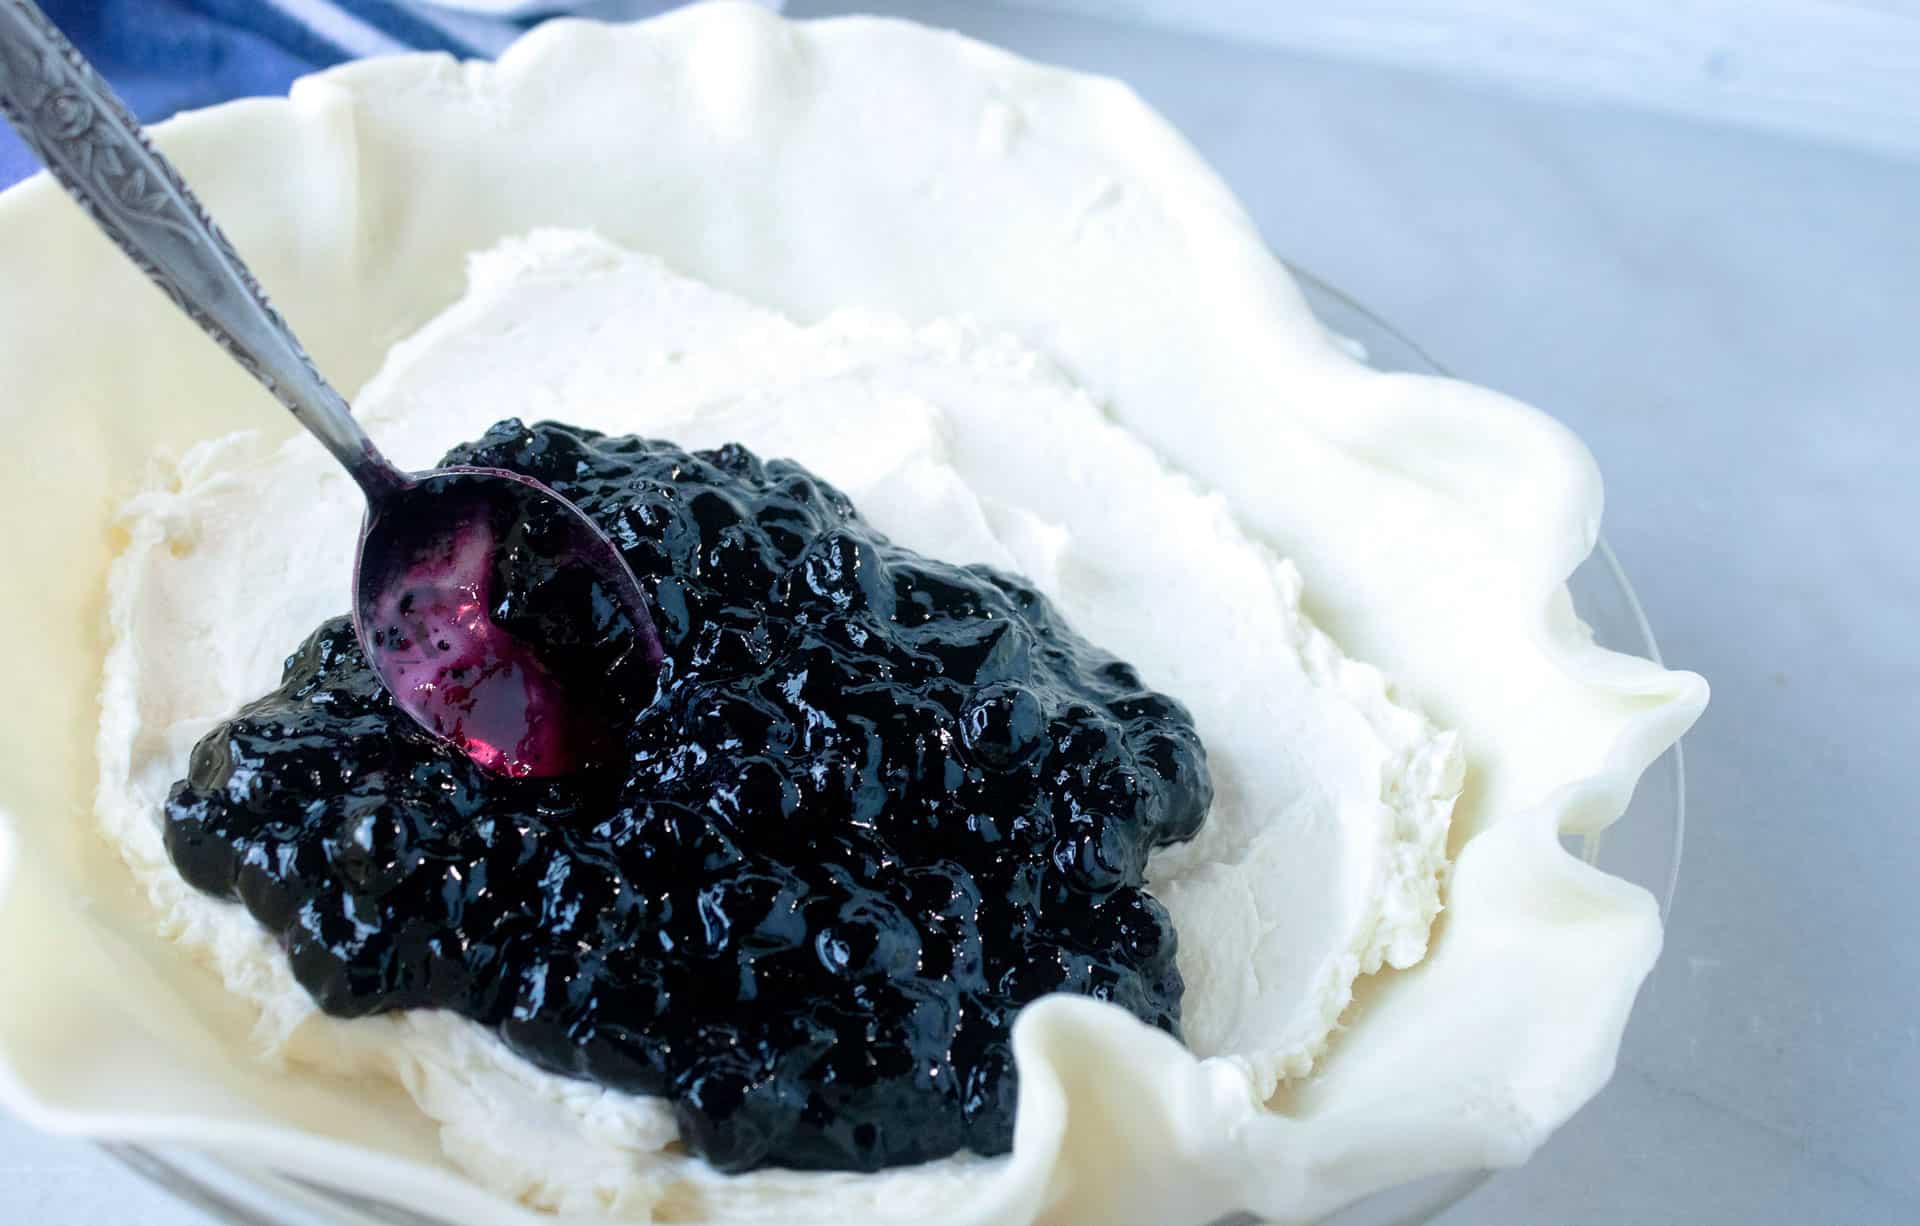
x,y
1725,308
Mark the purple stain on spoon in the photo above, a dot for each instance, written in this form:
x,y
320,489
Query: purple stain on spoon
x,y
495,613
461,674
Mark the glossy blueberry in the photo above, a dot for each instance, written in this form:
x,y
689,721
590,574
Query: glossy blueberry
x,y
870,806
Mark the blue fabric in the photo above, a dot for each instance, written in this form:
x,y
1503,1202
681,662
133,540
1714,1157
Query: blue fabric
x,y
170,55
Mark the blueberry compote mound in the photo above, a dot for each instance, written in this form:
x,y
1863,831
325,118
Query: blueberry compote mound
x,y
869,806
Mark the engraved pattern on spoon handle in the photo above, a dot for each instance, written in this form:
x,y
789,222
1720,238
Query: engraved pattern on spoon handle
x,y
95,148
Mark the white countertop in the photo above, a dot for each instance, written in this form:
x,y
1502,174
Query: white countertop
x,y
1727,315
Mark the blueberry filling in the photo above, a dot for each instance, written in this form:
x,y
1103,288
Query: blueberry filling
x,y
869,806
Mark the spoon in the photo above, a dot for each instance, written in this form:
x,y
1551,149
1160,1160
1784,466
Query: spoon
x,y
432,544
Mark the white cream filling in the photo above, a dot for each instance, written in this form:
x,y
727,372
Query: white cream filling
x,y
1321,860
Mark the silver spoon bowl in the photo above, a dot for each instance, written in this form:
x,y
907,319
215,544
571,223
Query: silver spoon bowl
x,y
431,543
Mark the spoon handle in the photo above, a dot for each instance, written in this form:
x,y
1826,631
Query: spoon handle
x,y
95,148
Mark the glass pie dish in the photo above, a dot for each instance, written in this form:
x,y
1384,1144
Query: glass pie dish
x,y
1438,526
1643,846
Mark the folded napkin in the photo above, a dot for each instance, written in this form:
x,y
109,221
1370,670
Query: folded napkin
x,y
171,55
